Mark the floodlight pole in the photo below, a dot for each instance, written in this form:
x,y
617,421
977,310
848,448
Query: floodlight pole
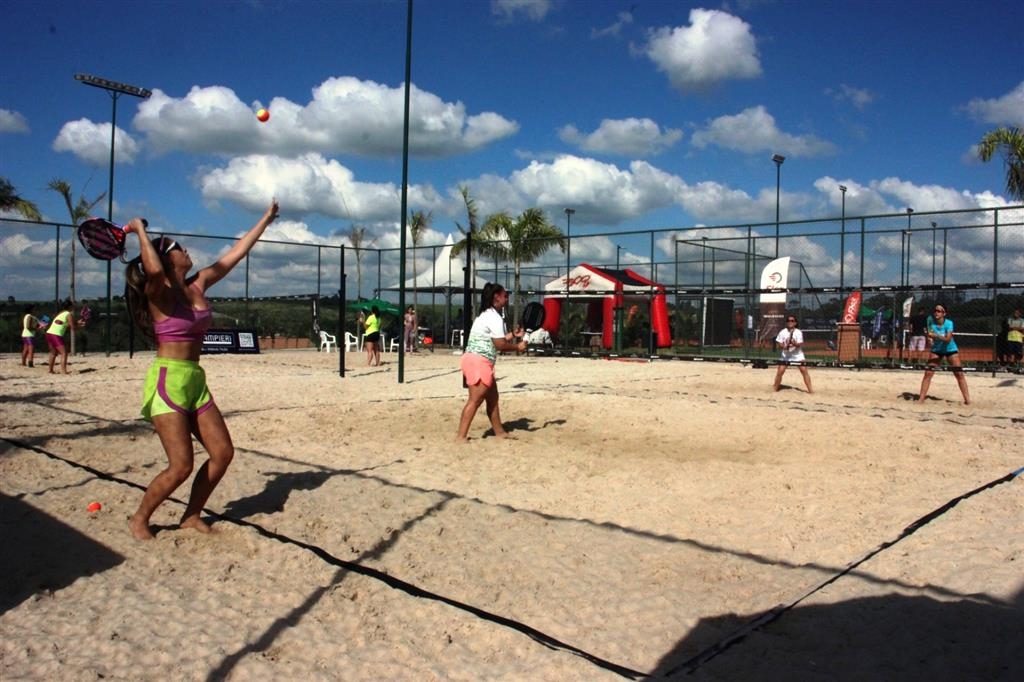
x,y
778,159
116,90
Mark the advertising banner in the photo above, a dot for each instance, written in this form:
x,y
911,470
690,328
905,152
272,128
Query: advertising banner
x,y
851,309
774,278
231,341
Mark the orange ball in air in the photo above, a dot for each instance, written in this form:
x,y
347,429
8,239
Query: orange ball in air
x,y
263,115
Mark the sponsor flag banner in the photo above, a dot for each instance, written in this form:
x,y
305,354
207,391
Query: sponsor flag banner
x,y
908,304
775,279
851,309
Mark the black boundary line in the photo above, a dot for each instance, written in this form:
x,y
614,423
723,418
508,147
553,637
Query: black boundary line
x,y
395,583
692,664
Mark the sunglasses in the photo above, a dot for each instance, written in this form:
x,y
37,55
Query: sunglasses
x,y
792,319
939,311
168,245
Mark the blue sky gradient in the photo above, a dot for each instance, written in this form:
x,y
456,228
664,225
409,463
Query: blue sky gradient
x,y
639,115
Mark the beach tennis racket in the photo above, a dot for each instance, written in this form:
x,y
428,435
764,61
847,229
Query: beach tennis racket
x,y
85,314
103,239
533,318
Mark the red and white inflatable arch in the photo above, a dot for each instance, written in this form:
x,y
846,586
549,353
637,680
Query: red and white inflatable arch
x,y
606,290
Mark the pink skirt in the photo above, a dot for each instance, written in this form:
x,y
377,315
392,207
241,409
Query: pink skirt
x,y
477,369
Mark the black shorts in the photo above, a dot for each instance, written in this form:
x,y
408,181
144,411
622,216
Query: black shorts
x,y
372,338
945,353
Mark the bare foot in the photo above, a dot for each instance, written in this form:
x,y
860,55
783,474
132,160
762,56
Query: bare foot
x,y
461,439
196,523
505,435
140,529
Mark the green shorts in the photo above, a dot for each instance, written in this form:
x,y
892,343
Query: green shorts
x,y
175,386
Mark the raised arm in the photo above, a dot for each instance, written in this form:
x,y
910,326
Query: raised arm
x,y
150,258
209,276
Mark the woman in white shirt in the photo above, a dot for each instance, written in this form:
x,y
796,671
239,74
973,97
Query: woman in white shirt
x,y
487,338
791,340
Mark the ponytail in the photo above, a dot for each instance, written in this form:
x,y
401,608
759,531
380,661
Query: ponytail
x,y
135,297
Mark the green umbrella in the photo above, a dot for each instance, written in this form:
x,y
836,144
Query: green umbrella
x,y
382,305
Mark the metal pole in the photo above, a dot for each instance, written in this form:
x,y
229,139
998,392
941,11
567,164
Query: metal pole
x,y
910,212
340,331
56,282
778,159
405,191
116,90
861,253
110,217
842,241
568,251
933,253
945,235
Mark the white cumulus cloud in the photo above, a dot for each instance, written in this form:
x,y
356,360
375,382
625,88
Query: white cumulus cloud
x,y
715,47
633,137
345,116
755,130
513,10
12,122
601,193
1005,110
90,142
308,184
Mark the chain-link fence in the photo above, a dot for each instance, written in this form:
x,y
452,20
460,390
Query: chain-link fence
x,y
970,260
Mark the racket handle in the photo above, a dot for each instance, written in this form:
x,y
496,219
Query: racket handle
x,y
128,228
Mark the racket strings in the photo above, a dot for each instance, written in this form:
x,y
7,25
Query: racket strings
x,y
102,240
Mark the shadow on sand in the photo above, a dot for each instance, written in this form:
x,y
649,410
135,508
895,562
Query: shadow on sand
x,y
41,554
894,637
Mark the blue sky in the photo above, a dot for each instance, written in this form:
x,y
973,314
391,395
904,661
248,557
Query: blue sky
x,y
639,115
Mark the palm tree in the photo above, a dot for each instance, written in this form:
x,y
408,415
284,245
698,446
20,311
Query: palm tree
x,y
355,235
76,212
472,231
10,201
519,241
418,225
1011,142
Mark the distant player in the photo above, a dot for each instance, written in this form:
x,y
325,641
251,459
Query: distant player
x,y
940,331
791,340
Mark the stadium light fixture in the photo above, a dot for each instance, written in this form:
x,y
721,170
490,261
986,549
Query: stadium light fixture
x,y
116,90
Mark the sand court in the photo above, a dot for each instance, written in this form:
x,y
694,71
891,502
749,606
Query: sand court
x,y
666,519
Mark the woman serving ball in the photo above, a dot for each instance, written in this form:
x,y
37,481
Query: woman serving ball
x,y
169,305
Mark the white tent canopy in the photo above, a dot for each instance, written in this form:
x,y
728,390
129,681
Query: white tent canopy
x,y
445,275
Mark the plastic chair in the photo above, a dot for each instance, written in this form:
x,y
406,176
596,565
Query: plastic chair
x,y
388,346
457,333
328,341
352,341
